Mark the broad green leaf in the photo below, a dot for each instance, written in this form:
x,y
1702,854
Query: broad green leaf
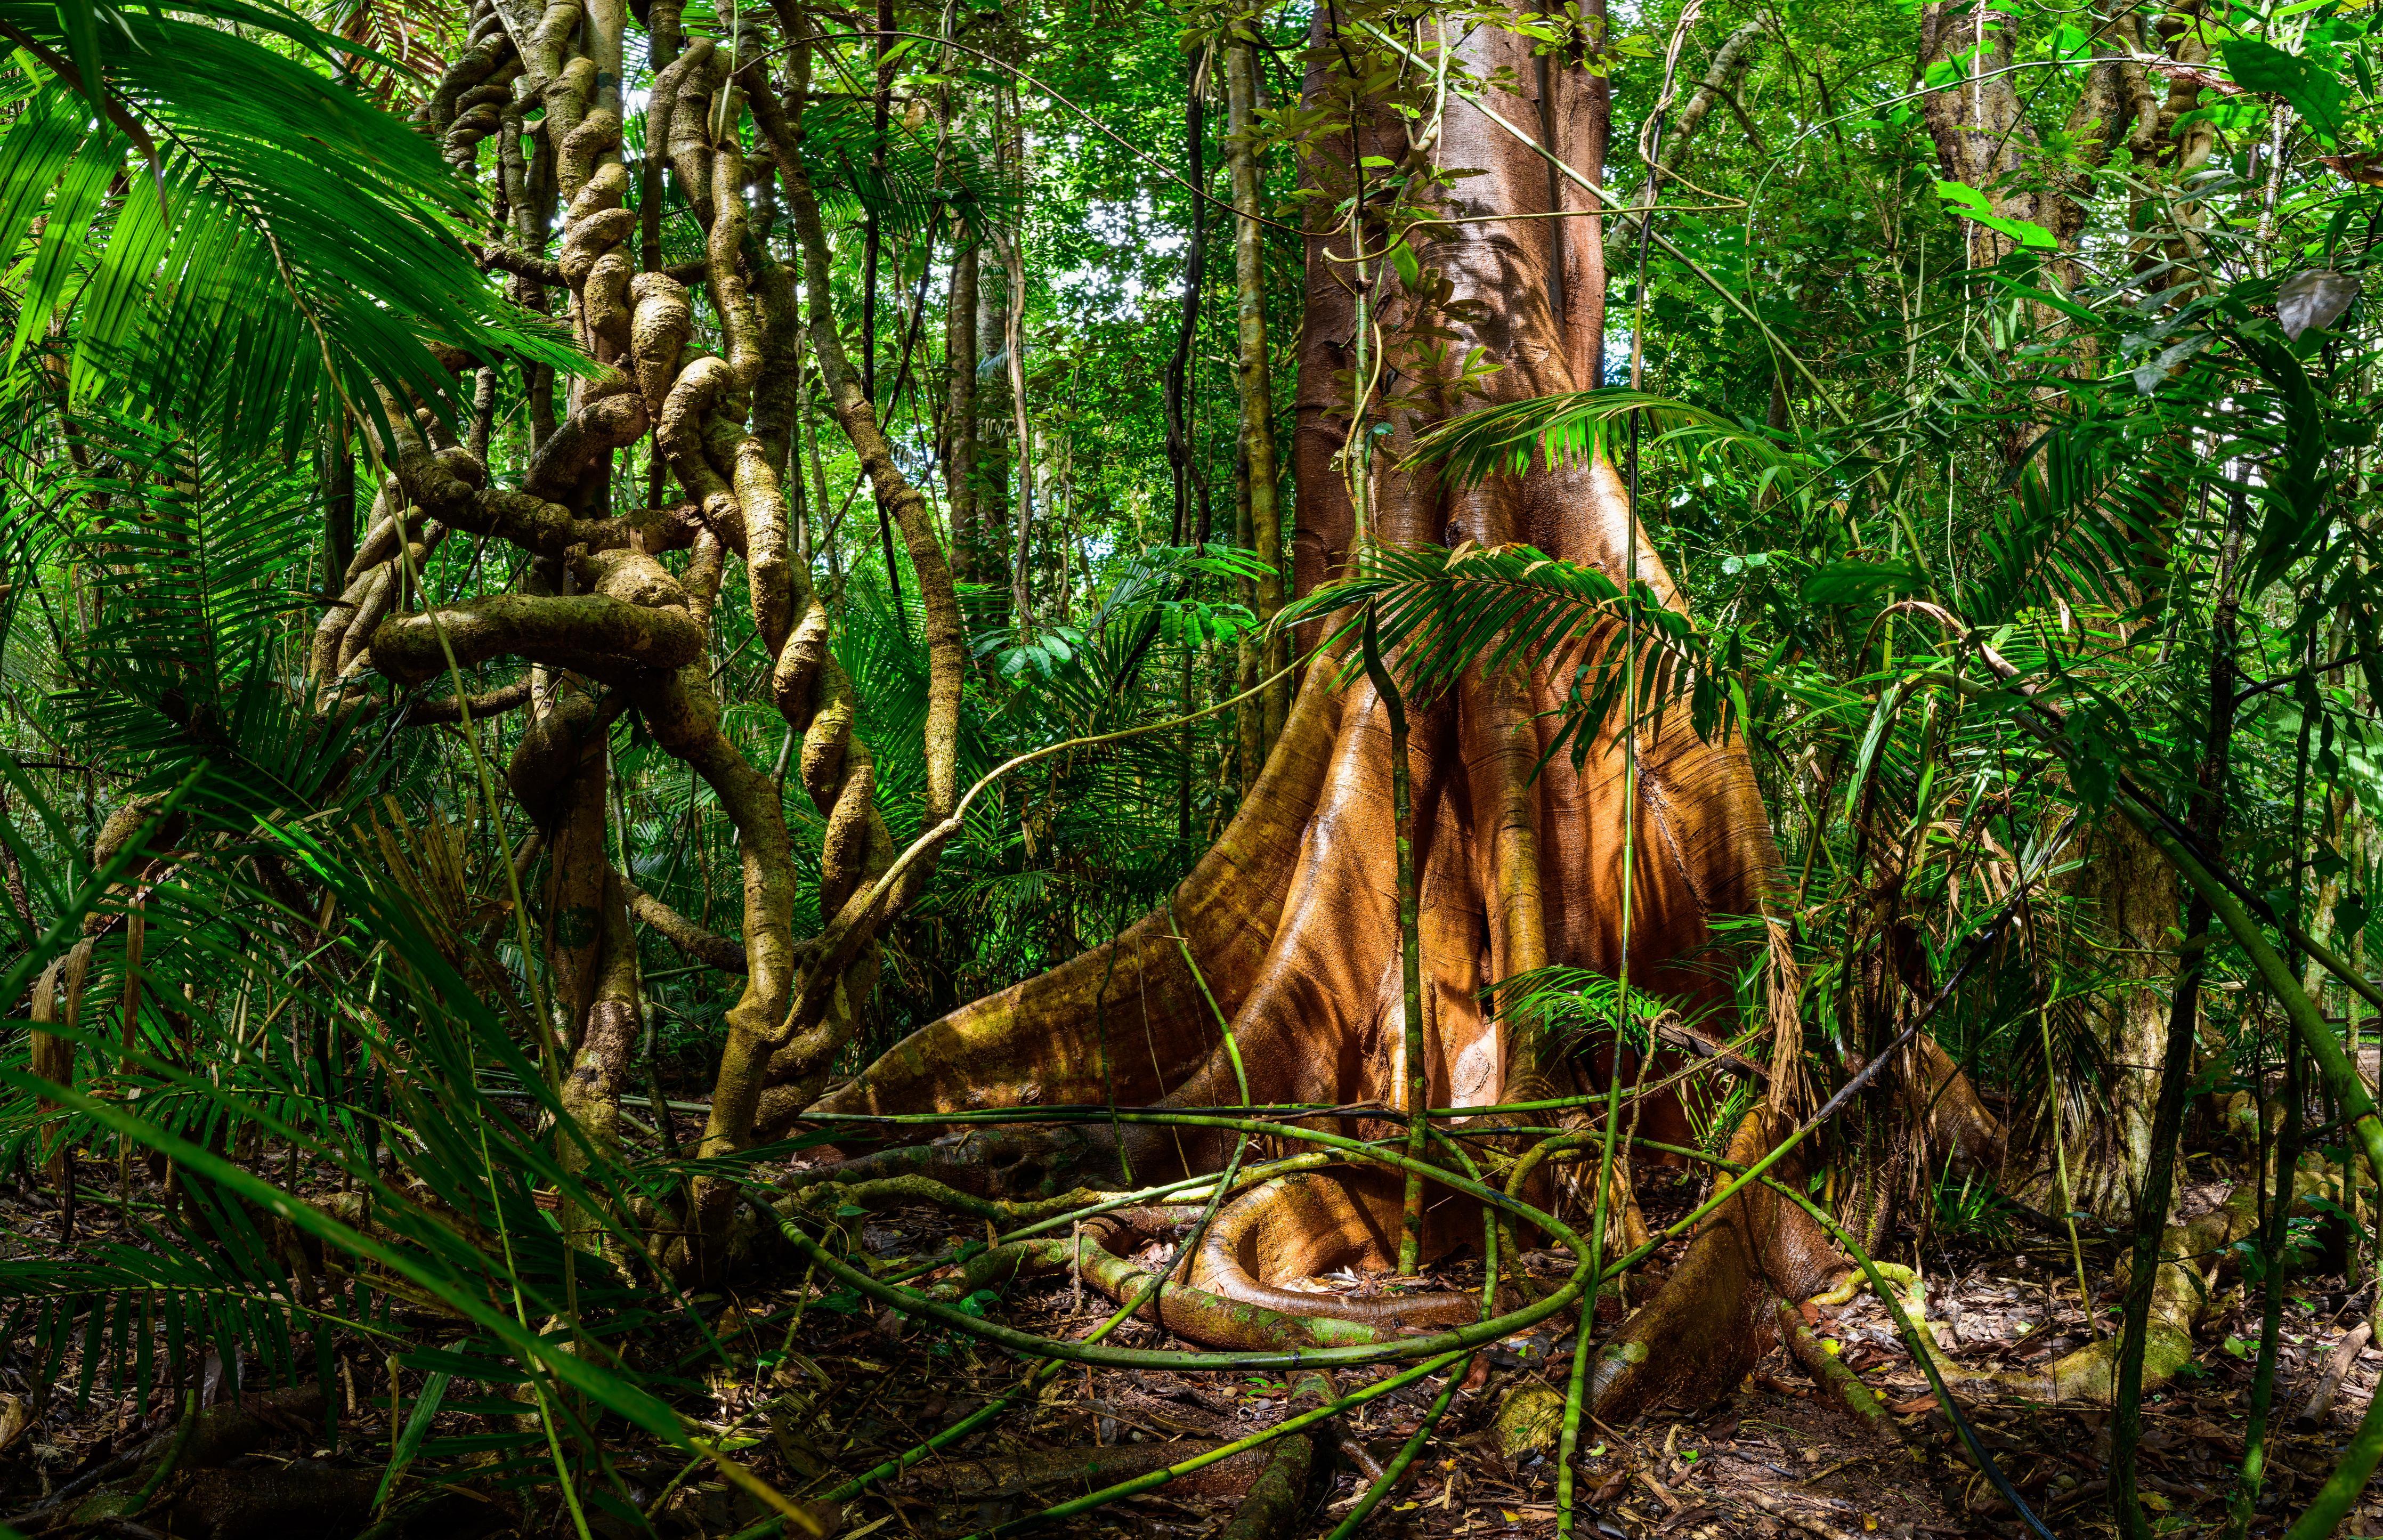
x,y
1972,204
2306,86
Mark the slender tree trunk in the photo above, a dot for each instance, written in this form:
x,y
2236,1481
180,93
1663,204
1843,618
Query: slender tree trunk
x,y
2129,892
993,456
960,413
1249,649
1260,469
873,238
1013,339
1179,458
339,503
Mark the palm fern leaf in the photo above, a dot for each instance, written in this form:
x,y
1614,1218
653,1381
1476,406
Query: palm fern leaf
x,y
1577,426
276,246
1448,612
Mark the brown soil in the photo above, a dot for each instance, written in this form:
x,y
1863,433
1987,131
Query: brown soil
x,y
825,1387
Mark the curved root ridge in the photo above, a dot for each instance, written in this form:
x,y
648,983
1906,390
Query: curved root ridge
x,y
1915,1290
1313,1223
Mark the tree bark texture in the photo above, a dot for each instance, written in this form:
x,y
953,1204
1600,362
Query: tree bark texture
x,y
1261,466
1291,916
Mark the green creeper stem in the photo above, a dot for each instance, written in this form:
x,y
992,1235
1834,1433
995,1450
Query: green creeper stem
x,y
2333,1066
2348,1484
1418,1086
1388,1481
1226,1451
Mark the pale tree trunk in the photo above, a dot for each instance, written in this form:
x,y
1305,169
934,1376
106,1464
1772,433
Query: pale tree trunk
x,y
959,411
1984,140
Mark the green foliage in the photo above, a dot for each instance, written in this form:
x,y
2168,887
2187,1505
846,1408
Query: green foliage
x,y
237,234
1454,610
1943,548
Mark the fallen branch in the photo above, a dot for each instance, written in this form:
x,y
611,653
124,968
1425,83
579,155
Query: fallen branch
x,y
2318,1407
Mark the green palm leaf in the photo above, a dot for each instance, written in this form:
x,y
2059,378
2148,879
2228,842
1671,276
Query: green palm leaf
x,y
1448,612
1580,426
278,245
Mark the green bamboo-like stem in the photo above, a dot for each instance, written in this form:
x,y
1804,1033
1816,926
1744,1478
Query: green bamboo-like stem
x,y
1251,1176
1576,1397
2275,1230
2348,1483
1289,1425
1418,1078
1191,1246
1447,1346
984,1416
2333,1066
1576,1384
1032,1385
1403,1349
1384,1483
1387,1483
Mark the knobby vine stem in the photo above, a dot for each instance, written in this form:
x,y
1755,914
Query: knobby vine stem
x,y
859,912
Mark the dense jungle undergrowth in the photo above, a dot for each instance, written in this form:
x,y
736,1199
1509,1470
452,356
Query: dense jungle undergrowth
x,y
1259,770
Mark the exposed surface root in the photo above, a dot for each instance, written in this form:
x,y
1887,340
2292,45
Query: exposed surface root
x,y
1009,1163
1189,1313
1307,1225
2184,1295
1274,1501
1705,1329
305,1496
197,1479
1830,1372
185,1455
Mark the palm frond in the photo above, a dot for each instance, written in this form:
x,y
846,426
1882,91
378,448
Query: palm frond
x,y
1448,612
278,247
1582,426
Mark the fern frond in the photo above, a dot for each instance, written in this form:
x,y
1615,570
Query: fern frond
x,y
1448,612
1582,426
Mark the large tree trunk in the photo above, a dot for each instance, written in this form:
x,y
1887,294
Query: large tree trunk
x,y
1291,916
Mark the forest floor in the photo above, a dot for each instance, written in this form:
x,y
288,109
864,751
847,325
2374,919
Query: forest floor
x,y
1775,1457
823,1388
